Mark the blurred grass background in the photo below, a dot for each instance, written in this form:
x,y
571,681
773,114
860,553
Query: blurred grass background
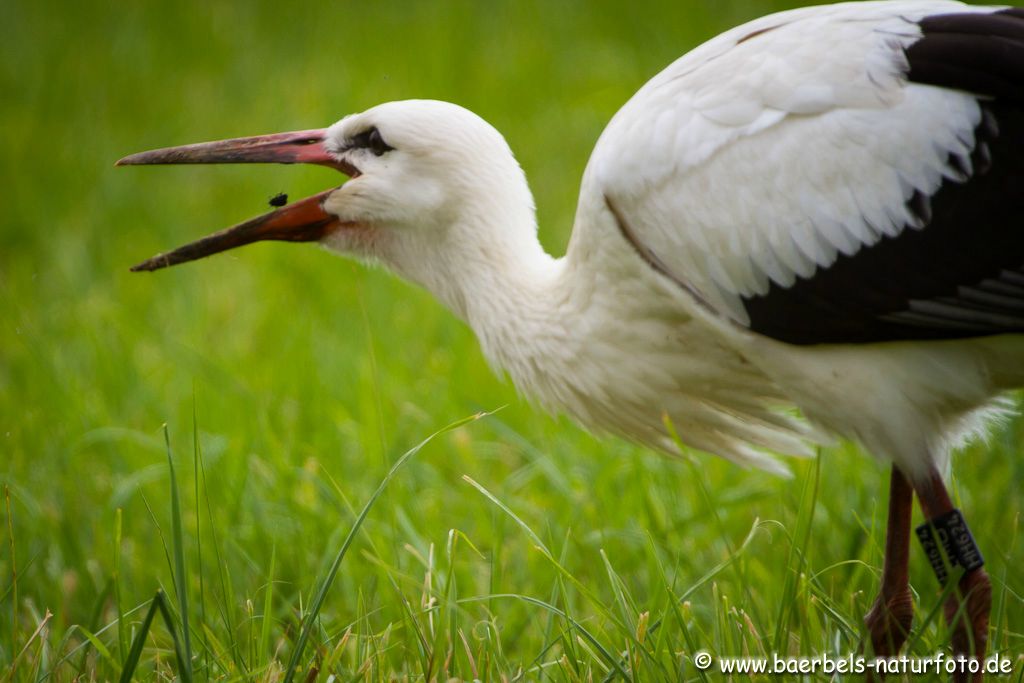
x,y
310,375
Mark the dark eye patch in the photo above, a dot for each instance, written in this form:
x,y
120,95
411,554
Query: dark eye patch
x,y
370,139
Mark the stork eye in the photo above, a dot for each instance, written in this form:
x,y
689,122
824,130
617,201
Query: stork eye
x,y
371,140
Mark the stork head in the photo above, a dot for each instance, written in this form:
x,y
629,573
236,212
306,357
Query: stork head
x,y
426,181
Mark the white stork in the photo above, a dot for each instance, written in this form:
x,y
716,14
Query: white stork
x,y
820,209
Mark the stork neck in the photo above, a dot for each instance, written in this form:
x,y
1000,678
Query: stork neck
x,y
521,306
506,289
503,281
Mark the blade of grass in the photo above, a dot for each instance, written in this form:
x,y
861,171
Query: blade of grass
x,y
159,533
14,580
221,654
325,585
14,663
227,593
81,646
1001,598
130,664
268,602
549,639
933,613
563,572
414,627
711,574
184,668
94,620
549,629
449,593
819,591
122,633
626,610
797,554
97,645
609,659
711,504
180,578
197,456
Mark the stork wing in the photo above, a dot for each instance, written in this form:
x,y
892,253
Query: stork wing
x,y
850,173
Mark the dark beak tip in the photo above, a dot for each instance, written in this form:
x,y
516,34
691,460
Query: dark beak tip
x,y
137,159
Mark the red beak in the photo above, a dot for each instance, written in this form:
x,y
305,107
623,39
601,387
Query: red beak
x,y
302,221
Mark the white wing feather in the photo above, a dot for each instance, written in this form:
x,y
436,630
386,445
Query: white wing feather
x,y
766,152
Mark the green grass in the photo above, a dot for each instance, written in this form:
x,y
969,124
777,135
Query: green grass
x,y
292,381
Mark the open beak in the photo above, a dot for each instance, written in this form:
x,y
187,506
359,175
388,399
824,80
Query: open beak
x,y
302,221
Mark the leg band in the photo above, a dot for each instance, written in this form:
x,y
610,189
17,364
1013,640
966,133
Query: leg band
x,y
950,530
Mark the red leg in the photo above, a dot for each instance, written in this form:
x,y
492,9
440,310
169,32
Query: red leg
x,y
967,610
890,617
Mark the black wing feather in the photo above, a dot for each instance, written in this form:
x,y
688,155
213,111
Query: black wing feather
x,y
962,275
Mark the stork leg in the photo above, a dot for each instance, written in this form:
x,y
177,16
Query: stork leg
x,y
967,609
890,617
